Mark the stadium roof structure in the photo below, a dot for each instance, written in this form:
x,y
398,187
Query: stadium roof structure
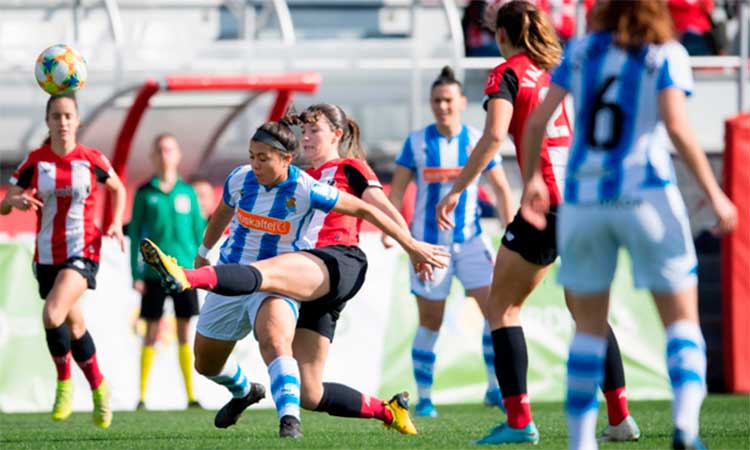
x,y
204,112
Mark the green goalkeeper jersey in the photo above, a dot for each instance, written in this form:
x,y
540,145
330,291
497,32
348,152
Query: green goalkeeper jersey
x,y
171,219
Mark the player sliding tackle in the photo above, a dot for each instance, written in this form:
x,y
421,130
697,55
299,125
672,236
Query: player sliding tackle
x,y
270,204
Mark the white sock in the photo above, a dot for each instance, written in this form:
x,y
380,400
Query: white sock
x,y
423,359
686,363
285,385
489,357
233,378
585,374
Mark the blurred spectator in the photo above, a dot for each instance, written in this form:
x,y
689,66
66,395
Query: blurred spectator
x,y
695,27
562,13
204,190
478,39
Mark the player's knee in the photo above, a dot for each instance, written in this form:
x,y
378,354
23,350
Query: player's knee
x,y
431,318
310,395
271,347
52,317
77,330
206,366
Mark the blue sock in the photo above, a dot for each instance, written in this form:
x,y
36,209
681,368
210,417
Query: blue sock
x,y
232,377
285,385
686,363
489,357
423,359
585,374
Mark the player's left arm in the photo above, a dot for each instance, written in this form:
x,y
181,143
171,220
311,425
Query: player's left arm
x,y
366,186
117,193
498,182
535,197
419,252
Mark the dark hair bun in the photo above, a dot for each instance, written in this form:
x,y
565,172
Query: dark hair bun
x,y
448,73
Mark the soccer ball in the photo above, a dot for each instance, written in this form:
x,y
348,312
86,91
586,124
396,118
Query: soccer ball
x,y
60,70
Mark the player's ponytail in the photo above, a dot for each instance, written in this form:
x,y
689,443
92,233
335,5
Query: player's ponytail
x,y
447,77
530,29
354,147
350,146
633,24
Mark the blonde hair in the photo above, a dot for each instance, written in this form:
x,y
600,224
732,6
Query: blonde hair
x,y
530,29
633,23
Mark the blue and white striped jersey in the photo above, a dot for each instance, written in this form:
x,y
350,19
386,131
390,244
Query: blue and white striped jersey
x,y
619,145
436,161
271,221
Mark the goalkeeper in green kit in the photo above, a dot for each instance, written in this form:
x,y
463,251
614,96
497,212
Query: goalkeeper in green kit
x,y
166,210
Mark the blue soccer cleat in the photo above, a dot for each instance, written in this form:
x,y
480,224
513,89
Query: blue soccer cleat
x,y
425,408
504,434
681,442
493,397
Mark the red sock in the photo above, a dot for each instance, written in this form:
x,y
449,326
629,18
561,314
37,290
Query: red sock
x,y
202,278
519,410
62,364
617,405
373,407
90,369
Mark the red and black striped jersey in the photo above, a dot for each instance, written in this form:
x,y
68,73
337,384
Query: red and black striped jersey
x,y
522,83
67,186
353,176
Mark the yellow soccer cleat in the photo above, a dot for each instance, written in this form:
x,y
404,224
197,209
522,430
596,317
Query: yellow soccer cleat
x,y
63,407
172,275
399,406
102,414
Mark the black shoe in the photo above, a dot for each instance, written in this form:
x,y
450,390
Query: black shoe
x,y
140,406
194,405
231,412
289,428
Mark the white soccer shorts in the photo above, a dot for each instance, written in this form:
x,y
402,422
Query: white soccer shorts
x,y
232,318
655,230
471,262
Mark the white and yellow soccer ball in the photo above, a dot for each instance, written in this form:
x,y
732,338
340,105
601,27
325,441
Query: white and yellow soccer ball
x,y
60,69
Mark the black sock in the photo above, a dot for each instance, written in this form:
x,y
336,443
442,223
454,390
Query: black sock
x,y
339,400
58,340
511,360
83,348
614,375
237,279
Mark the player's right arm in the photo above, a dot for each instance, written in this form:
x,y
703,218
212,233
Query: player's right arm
x,y
499,114
18,198
214,230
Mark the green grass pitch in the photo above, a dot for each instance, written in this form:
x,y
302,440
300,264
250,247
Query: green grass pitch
x,y
725,425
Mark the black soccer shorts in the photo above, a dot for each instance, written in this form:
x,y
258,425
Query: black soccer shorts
x,y
47,273
347,267
152,302
534,245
